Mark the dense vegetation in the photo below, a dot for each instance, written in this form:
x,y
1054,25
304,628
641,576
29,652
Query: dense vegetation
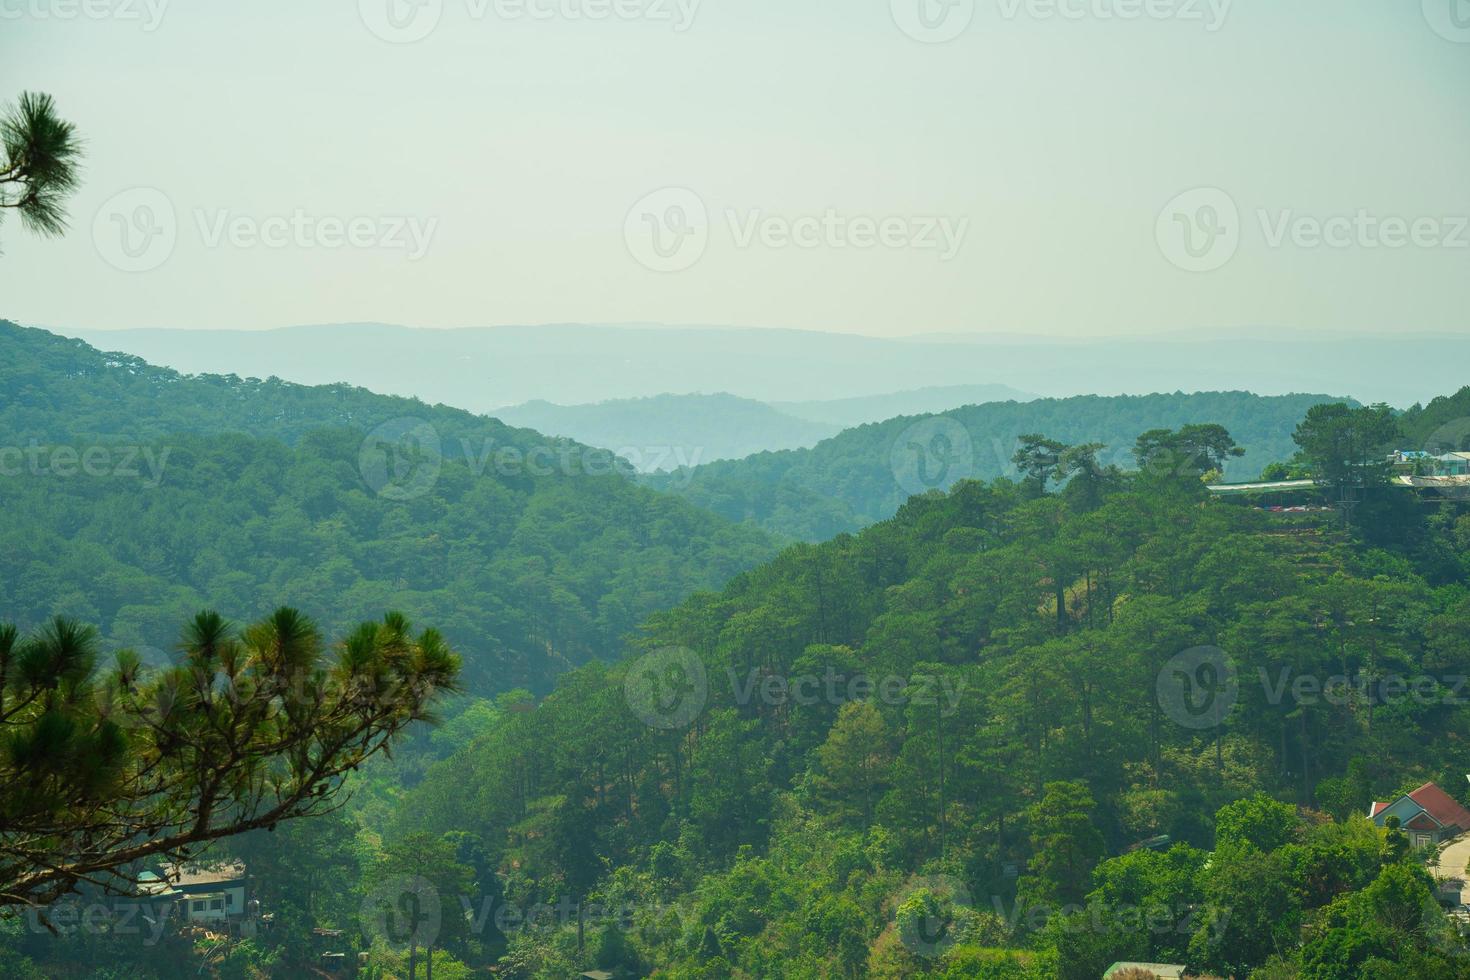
x,y
1023,728
1008,753
246,495
848,482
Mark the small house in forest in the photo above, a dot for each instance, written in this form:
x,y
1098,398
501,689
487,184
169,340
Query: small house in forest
x,y
210,893
1428,815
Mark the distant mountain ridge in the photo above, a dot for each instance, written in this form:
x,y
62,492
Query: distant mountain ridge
x,y
665,432
864,475
138,496
860,410
484,368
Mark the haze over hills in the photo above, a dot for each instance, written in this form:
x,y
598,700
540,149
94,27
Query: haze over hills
x,y
864,475
143,496
849,412
484,368
665,432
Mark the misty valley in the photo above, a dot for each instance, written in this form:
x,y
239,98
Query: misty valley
x,y
621,489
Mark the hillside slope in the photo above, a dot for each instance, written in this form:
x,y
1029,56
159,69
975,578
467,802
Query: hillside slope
x,y
133,496
864,474
665,432
935,749
848,413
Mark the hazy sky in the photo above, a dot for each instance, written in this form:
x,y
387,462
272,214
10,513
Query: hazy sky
x,y
831,164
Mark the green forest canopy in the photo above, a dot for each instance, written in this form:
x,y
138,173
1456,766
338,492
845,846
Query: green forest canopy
x,y
847,482
245,495
791,834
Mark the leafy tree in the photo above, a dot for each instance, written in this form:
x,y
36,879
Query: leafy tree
x,y
39,170
1260,821
854,763
1346,448
1065,842
1190,452
101,769
1039,459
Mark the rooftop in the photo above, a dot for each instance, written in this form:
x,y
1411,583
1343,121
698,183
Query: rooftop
x,y
1435,802
195,875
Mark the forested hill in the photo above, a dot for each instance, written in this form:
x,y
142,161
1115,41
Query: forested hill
x,y
139,496
864,474
932,750
665,432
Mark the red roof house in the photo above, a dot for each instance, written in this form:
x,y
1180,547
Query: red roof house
x,y
1428,815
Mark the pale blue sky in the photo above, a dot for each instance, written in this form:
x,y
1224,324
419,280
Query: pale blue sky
x,y
514,149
